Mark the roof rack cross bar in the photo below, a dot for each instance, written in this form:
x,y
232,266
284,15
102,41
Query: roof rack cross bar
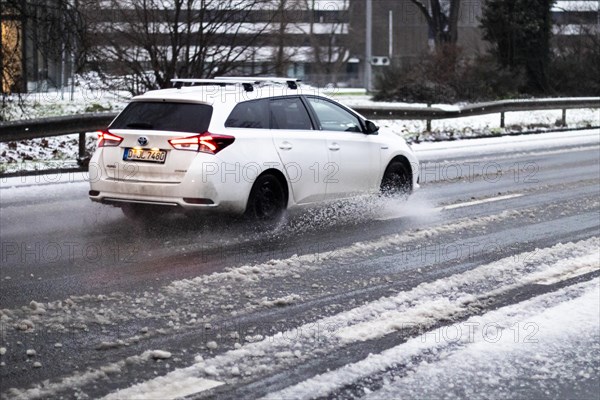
x,y
246,82
291,82
179,83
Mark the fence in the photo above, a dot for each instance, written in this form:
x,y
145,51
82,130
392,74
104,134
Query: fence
x,y
58,126
498,107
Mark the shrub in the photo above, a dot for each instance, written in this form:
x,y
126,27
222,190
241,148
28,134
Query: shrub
x,y
447,76
575,67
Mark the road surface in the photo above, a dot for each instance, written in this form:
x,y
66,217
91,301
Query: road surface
x,y
483,284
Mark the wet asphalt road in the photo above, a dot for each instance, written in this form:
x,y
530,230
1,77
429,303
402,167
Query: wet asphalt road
x,y
57,244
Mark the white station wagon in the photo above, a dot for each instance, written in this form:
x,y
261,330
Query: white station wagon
x,y
254,146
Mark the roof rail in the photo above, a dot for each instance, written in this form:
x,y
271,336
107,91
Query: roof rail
x,y
246,83
291,82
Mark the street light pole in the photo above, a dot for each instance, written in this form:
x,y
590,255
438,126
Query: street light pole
x,y
369,47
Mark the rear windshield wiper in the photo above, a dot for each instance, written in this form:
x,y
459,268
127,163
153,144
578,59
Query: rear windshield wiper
x,y
139,125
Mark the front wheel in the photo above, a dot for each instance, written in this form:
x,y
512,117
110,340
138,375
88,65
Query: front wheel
x,y
396,181
267,200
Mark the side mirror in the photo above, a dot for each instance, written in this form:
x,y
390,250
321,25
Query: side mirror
x,y
372,129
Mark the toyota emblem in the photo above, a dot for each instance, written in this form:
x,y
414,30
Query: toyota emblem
x,y
143,140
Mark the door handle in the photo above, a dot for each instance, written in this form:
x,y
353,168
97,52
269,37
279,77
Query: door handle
x,y
285,146
334,146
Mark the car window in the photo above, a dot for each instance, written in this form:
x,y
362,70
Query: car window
x,y
333,117
289,113
249,114
163,116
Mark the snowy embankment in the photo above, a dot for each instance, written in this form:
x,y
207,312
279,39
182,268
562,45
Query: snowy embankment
x,y
62,151
477,126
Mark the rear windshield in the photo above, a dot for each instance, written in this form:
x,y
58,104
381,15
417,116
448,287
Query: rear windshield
x,y
162,116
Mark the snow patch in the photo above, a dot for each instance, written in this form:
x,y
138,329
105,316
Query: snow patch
x,y
427,303
165,388
159,354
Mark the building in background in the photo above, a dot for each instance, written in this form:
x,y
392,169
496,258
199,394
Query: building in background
x,y
11,49
319,41
573,19
39,44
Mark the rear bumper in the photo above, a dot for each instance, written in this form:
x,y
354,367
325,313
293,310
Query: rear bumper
x,y
118,199
119,193
194,191
190,194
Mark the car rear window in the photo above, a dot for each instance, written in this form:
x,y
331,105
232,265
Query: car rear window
x,y
164,116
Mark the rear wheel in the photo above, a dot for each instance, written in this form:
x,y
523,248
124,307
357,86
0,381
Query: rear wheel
x,y
267,200
396,181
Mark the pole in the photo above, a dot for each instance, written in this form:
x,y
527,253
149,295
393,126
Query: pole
x,y
24,37
391,33
369,47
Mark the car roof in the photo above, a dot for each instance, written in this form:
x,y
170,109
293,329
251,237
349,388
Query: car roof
x,y
229,94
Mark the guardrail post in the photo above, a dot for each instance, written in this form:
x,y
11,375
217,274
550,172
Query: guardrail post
x,y
563,122
502,119
428,121
81,145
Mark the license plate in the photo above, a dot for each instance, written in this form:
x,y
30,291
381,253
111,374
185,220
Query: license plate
x,y
157,156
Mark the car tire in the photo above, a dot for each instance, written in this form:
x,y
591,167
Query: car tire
x,y
267,200
396,182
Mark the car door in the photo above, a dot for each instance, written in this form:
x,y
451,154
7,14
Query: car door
x,y
301,149
353,156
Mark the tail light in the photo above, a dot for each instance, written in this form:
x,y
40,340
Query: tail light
x,y
205,143
107,139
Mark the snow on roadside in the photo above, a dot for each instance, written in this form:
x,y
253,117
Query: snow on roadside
x,y
88,95
489,126
44,153
457,295
555,351
489,349
389,321
474,126
439,151
78,379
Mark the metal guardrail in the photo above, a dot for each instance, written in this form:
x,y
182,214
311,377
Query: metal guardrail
x,y
497,107
55,126
82,123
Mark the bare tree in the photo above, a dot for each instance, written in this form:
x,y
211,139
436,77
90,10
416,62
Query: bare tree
x,y
442,18
151,42
285,23
328,40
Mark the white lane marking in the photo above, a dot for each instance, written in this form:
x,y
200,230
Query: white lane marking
x,y
453,206
165,388
583,269
476,202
